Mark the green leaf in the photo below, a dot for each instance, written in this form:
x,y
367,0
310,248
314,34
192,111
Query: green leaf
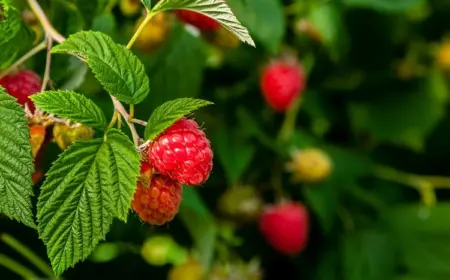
x,y
251,127
147,4
264,18
90,183
10,25
16,162
181,59
385,5
233,152
216,9
319,111
89,9
124,169
327,19
15,46
116,68
324,197
67,15
368,254
410,277
104,22
169,112
71,105
406,127
324,202
422,234
327,267
15,38
200,223
75,74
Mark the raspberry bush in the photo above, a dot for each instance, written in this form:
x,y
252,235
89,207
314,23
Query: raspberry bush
x,y
96,178
213,139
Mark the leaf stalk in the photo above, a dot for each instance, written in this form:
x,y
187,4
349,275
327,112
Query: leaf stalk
x,y
28,254
141,27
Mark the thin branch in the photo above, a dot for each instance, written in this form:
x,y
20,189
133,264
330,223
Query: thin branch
x,y
140,122
119,108
16,267
396,176
25,57
57,120
114,119
47,64
437,181
48,27
28,254
413,180
289,122
141,27
145,145
52,33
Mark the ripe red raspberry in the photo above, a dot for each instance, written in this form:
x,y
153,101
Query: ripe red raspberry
x,y
198,20
285,227
157,203
183,153
281,83
21,85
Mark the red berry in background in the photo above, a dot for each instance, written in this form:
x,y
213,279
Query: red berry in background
x,y
183,153
198,20
21,85
157,203
281,83
285,227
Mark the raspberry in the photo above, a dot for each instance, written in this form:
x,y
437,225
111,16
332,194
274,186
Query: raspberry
x,y
222,38
310,165
154,33
285,227
183,153
241,203
202,22
237,269
443,56
158,203
281,83
65,135
160,250
37,137
190,270
21,85
130,7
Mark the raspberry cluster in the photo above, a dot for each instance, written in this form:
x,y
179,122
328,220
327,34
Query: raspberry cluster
x,y
180,155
